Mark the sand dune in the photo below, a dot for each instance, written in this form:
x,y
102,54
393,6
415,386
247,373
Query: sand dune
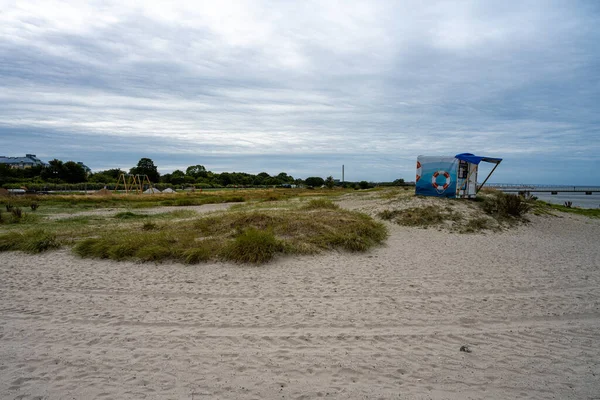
x,y
386,324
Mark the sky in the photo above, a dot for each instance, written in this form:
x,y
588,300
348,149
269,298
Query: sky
x,y
304,87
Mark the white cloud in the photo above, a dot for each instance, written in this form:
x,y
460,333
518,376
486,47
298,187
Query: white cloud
x,y
385,79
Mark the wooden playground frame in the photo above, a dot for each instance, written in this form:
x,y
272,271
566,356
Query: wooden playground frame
x,y
133,183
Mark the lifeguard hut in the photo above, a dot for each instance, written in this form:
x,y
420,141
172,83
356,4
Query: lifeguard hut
x,y
453,177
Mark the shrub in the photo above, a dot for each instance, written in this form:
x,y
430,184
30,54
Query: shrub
x,y
568,204
506,205
364,184
515,206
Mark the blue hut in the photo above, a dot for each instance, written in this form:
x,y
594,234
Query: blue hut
x,y
453,177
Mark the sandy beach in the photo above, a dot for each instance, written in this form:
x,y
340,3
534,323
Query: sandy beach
x,y
384,324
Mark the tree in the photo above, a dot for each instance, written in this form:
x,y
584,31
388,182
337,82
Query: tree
x,y
330,182
53,171
197,171
364,184
73,173
177,177
261,178
285,178
314,181
146,167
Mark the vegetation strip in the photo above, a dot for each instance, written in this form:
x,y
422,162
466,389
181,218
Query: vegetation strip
x,y
248,236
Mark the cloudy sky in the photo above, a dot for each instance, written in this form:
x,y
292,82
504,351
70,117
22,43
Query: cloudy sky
x,y
305,86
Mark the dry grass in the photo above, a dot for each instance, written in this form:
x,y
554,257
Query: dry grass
x,y
248,237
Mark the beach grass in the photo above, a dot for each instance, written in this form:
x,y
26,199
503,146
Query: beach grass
x,y
270,223
245,237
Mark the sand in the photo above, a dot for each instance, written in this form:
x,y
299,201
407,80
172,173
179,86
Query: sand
x,y
384,324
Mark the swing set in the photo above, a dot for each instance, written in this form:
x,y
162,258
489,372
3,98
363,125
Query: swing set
x,y
133,183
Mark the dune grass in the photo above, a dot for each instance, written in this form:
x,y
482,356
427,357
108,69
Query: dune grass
x,y
245,237
31,241
305,225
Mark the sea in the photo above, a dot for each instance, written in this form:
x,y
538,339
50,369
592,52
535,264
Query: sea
x,y
579,199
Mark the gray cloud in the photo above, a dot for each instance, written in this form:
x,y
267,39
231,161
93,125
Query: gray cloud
x,y
304,87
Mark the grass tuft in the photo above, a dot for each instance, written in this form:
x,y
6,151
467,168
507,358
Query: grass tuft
x,y
35,241
253,246
11,241
319,204
153,253
39,241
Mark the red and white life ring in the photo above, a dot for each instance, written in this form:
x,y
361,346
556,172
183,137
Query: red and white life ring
x,y
418,171
438,187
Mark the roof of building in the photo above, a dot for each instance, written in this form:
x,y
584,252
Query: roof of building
x,y
28,159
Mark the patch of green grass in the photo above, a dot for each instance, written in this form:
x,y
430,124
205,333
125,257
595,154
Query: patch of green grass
x,y
35,241
588,212
153,252
81,220
253,246
10,241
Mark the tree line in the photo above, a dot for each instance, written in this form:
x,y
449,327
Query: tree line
x,y
57,173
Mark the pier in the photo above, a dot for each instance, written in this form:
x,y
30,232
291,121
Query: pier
x,y
545,189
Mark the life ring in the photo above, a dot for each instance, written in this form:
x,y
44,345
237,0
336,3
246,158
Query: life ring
x,y
438,187
418,171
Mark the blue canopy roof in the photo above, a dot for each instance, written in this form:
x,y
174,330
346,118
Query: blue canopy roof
x,y
473,159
